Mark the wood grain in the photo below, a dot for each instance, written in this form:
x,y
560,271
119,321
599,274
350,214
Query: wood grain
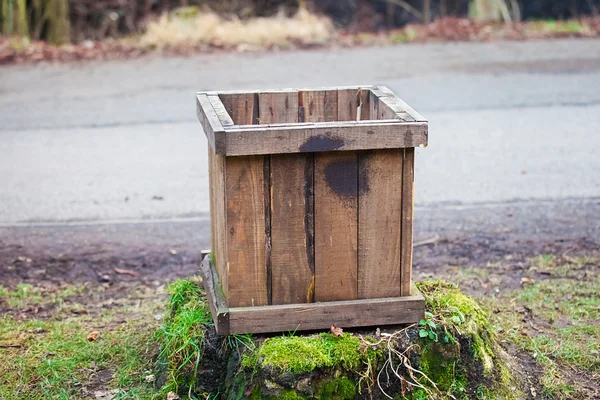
x,y
215,298
403,107
246,242
321,137
240,106
221,112
380,196
336,201
278,107
319,105
218,222
211,125
345,314
292,232
348,101
408,175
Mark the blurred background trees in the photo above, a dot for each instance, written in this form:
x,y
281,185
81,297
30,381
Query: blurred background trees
x,y
63,21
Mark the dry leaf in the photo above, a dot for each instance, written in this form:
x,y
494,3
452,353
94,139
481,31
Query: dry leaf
x,y
172,396
337,331
93,336
527,281
129,272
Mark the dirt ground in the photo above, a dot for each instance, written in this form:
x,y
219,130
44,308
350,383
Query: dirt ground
x,y
130,283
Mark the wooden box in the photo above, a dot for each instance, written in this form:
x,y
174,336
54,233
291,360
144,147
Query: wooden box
x,y
311,197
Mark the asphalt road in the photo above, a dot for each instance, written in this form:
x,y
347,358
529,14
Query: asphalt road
x,y
118,142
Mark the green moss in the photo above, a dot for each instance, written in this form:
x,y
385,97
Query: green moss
x,y
341,388
461,314
305,354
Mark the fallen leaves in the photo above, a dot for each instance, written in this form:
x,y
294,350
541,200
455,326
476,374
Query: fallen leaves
x,y
527,281
337,331
93,336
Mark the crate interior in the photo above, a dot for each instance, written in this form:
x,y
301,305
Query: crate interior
x,y
302,106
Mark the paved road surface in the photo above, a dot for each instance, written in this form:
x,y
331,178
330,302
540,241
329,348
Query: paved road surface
x,y
108,157
120,141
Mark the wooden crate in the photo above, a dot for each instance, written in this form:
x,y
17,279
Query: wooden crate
x,y
311,198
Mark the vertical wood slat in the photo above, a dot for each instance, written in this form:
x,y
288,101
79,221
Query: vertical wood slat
x,y
240,107
218,222
336,212
348,102
278,107
379,238
246,241
318,105
291,201
408,175
292,253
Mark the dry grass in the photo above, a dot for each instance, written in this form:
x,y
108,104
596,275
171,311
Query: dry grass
x,y
191,26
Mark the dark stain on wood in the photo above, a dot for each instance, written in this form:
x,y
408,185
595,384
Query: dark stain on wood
x,y
363,172
255,111
267,205
322,143
309,215
341,178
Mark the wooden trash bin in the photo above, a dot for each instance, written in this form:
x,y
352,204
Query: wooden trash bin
x,y
311,198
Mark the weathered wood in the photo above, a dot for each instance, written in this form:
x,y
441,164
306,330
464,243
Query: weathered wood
x,y
211,124
278,107
408,174
321,137
345,314
245,198
292,228
402,106
319,105
222,114
336,201
380,195
240,106
218,224
215,297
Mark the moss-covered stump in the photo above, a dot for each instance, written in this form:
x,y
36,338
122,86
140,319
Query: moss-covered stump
x,y
452,353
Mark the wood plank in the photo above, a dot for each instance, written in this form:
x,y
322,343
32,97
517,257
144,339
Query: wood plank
x,y
278,107
380,195
218,215
220,110
321,137
240,106
336,201
373,105
211,125
318,105
292,228
408,177
348,102
403,107
246,243
215,298
345,314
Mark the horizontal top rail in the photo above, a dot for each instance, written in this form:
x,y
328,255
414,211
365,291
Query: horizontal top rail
x,y
391,122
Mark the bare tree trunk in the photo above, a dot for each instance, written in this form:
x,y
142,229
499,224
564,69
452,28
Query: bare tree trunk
x,y
59,29
427,11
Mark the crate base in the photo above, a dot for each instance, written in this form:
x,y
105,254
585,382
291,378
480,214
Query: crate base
x,y
307,316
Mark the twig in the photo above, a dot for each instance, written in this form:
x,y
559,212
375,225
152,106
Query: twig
x,y
410,9
432,240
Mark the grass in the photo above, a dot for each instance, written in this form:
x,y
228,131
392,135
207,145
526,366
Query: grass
x,y
183,333
192,26
51,357
557,320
